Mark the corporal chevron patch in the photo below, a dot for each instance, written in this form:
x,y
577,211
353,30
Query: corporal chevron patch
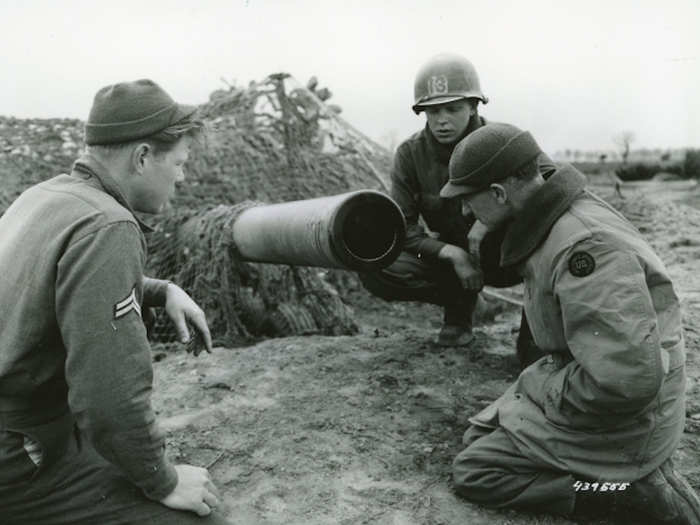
x,y
126,305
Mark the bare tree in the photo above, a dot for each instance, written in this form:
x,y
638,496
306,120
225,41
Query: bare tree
x,y
623,140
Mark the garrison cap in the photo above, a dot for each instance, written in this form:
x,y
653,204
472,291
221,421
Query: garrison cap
x,y
130,111
489,154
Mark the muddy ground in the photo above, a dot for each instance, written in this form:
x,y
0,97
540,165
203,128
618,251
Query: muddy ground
x,y
363,429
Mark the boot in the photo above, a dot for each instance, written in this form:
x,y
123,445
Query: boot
x,y
663,496
457,323
455,335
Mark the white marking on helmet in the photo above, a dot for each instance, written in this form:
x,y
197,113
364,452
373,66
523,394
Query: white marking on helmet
x,y
437,85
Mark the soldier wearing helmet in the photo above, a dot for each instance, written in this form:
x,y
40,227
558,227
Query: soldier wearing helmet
x,y
446,78
448,264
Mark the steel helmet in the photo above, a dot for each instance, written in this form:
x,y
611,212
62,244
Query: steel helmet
x,y
445,78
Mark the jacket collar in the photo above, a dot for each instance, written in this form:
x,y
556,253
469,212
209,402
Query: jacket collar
x,y
529,228
88,167
442,152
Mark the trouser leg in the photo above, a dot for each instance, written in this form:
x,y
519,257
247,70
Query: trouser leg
x,y
461,313
412,279
492,472
81,488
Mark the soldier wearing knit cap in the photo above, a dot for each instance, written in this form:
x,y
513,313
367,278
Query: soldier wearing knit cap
x,y
493,155
593,424
447,257
79,441
129,111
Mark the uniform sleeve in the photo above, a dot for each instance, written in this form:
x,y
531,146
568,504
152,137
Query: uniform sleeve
x,y
611,330
405,192
154,292
99,285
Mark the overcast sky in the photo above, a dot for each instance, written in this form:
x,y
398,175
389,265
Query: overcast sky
x,y
575,73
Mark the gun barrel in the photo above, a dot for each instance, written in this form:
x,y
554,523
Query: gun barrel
x,y
361,230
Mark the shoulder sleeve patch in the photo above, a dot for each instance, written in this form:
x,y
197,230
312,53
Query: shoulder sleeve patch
x,y
581,264
126,305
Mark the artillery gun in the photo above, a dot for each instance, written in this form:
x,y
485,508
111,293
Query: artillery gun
x,y
361,230
215,256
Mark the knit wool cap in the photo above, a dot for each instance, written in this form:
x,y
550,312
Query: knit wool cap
x,y
130,111
489,154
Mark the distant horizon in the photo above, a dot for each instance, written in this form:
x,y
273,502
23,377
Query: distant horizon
x,y
560,153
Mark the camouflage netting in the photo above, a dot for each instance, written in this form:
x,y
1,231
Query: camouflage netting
x,y
32,150
274,141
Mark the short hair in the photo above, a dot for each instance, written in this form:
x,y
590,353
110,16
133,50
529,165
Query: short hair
x,y
473,102
161,142
529,170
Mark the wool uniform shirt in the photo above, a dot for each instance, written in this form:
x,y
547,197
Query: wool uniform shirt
x,y
72,340
419,173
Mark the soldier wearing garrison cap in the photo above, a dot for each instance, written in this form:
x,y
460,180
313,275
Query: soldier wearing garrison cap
x,y
78,438
449,262
592,425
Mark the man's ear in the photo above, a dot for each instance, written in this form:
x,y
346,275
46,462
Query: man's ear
x,y
498,191
139,157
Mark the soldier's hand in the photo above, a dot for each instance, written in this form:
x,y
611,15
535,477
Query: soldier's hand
x,y
183,310
474,237
468,273
194,491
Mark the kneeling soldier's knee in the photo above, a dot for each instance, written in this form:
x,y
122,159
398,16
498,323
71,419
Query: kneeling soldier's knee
x,y
466,473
